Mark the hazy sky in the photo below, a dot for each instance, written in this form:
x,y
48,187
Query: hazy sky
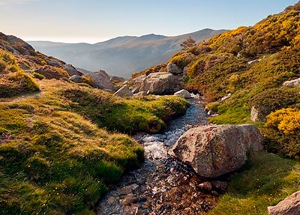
x,y
97,20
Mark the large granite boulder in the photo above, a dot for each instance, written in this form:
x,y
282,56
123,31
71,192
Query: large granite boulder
x,y
292,83
174,69
215,150
158,83
288,206
101,80
124,92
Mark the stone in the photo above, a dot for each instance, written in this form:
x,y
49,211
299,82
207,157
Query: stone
x,y
206,186
174,69
183,94
160,83
292,83
288,206
116,79
257,115
129,199
215,150
124,92
226,97
101,80
71,70
76,79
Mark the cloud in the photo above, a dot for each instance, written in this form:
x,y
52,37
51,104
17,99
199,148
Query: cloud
x,y
8,2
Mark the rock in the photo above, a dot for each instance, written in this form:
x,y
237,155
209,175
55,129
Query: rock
x,y
136,83
183,94
226,97
256,115
129,199
71,70
116,79
206,186
160,83
288,206
76,79
124,92
101,80
174,69
215,150
292,83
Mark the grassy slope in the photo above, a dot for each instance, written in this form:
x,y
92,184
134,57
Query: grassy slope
x,y
54,158
264,181
223,65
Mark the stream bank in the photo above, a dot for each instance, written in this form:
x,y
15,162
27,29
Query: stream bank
x,y
164,185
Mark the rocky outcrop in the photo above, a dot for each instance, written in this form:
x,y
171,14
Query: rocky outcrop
x,y
101,80
292,83
215,150
71,70
174,69
124,92
158,83
183,94
116,79
288,206
76,79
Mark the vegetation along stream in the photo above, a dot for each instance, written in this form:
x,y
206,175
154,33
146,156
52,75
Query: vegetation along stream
x,y
163,185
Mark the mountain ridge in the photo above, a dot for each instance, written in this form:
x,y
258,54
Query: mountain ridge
x,y
131,52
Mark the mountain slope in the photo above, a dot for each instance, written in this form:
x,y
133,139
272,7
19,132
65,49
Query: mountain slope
x,y
59,147
243,76
121,56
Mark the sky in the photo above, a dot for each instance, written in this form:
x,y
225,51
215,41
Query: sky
x,y
93,21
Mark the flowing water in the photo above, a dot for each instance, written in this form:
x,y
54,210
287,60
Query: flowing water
x,y
163,185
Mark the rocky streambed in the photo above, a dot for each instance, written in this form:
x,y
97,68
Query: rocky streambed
x,y
163,185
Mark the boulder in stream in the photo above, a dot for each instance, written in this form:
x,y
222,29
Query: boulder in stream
x,y
215,150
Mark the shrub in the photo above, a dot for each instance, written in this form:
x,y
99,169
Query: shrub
x,y
38,76
17,83
274,99
283,132
50,72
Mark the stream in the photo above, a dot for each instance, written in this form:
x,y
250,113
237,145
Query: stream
x,y
163,185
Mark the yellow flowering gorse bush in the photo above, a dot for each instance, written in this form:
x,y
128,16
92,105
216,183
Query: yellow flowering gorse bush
x,y
286,120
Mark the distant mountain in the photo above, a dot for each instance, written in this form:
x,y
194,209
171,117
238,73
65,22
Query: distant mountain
x,y
121,56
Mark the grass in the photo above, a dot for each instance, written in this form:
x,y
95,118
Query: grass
x,y
55,158
266,180
13,80
129,116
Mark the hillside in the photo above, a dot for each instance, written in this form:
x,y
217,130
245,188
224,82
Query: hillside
x,y
61,143
252,75
132,54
